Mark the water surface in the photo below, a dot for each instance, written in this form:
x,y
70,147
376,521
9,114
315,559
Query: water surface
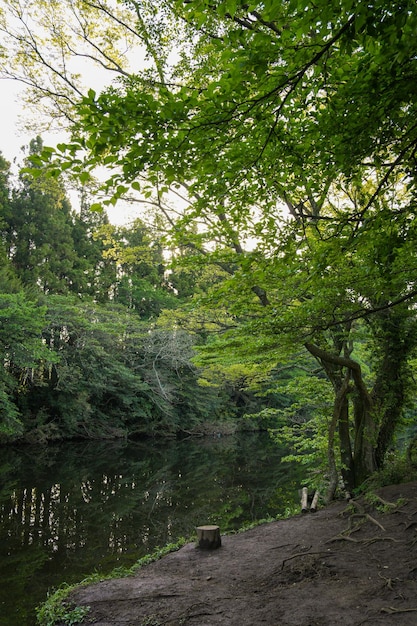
x,y
69,510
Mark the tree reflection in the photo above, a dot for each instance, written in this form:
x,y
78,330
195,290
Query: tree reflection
x,y
67,512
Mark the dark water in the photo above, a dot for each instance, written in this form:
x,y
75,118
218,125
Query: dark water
x,y
68,511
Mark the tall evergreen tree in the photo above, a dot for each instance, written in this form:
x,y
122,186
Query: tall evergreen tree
x,y
38,233
8,281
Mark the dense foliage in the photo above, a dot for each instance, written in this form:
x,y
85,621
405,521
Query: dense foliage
x,y
277,144
81,355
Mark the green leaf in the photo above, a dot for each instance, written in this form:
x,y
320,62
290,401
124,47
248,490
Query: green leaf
x,y
84,177
97,207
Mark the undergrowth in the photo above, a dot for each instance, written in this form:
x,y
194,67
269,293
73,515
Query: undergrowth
x,y
396,470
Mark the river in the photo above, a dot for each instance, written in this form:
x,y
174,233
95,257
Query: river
x,y
67,511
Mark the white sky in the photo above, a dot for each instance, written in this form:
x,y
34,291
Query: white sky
x,y
13,137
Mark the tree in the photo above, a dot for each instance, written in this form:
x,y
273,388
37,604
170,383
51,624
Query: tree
x,y
140,280
74,366
50,246
44,44
94,274
111,376
22,351
23,355
37,232
289,127
8,280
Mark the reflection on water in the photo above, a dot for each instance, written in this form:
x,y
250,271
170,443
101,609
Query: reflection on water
x,y
68,511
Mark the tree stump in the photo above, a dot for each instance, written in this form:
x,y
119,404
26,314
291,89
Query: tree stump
x,y
208,537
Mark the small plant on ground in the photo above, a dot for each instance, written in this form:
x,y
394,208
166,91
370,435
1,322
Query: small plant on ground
x,y
396,470
382,505
56,609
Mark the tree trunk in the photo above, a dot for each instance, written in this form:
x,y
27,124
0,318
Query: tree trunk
x,y
346,454
389,395
396,340
339,406
362,464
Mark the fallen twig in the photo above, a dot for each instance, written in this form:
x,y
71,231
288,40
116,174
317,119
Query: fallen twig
x,y
392,609
342,538
388,581
283,545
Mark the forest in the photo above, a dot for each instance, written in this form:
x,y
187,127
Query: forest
x,y
83,355
271,282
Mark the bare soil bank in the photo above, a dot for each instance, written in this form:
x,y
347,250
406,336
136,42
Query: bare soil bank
x,y
350,565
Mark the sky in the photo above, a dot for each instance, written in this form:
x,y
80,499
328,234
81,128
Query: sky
x,y
13,137
79,60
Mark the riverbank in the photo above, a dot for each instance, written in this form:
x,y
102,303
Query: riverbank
x,y
345,564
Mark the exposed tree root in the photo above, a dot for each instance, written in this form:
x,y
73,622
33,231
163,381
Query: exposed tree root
x,y
355,527
389,507
389,583
294,556
368,517
410,525
368,542
365,542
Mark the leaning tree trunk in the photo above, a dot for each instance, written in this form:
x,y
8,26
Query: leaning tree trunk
x,y
363,462
340,406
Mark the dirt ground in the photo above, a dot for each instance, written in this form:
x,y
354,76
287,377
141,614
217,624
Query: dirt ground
x,y
350,565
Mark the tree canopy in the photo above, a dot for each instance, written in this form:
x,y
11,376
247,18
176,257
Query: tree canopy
x,y
277,143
